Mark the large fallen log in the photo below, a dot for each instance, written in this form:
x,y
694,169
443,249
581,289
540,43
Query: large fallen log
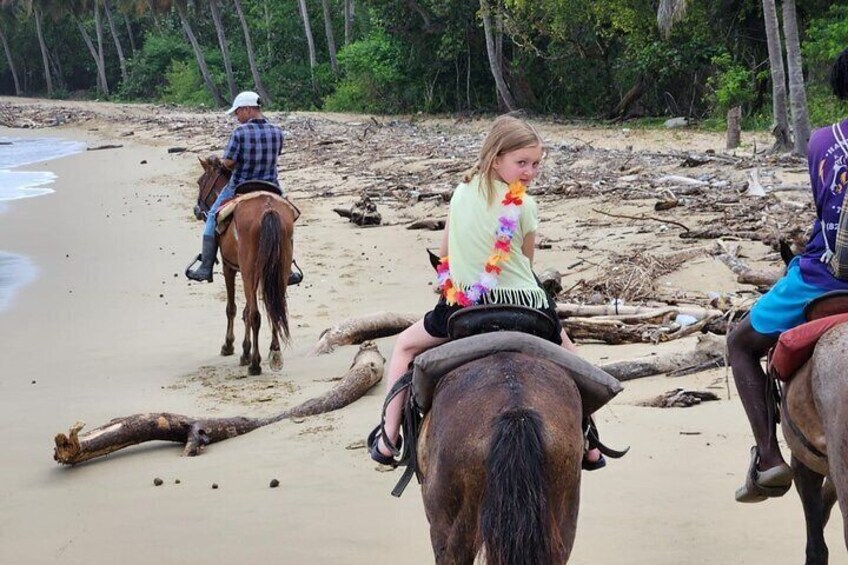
x,y
357,330
197,433
709,348
566,310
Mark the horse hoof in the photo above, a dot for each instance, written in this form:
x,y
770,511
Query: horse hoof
x,y
253,371
244,360
275,361
227,350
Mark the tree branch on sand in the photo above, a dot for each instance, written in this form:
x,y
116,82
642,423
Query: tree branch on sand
x,y
196,433
357,330
710,349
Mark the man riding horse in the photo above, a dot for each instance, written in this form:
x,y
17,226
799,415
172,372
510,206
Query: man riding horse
x,y
251,155
822,267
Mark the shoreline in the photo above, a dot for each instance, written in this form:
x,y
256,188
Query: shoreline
x,y
111,328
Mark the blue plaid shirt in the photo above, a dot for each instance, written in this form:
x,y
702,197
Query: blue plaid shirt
x,y
254,146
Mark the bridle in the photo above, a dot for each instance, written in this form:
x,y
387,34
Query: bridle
x,y
207,199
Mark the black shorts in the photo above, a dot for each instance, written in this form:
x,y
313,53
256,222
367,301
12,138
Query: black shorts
x,y
436,320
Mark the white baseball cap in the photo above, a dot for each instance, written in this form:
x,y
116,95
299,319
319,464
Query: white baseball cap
x,y
246,98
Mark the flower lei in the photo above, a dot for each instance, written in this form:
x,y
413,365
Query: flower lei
x,y
488,279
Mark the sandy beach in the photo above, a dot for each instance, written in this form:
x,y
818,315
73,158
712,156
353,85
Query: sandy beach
x,y
110,327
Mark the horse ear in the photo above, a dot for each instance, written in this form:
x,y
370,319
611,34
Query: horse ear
x,y
203,163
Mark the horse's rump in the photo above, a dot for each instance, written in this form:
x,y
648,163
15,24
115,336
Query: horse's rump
x,y
504,433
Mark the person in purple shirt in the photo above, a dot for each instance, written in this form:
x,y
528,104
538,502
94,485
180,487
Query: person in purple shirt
x,y
782,307
251,155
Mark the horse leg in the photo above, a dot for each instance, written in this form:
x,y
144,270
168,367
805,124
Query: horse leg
x,y
452,532
808,483
245,344
230,280
252,321
275,358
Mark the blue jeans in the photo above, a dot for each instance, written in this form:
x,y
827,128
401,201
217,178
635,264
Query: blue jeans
x,y
227,193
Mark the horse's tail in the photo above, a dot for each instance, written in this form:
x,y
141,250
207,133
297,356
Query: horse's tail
x,y
270,272
515,521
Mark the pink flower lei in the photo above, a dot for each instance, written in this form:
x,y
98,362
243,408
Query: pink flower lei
x,y
488,279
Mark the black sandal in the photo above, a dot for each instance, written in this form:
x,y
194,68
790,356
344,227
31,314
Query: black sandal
x,y
599,463
374,447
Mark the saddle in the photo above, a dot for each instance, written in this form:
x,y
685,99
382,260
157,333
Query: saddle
x,y
480,331
795,347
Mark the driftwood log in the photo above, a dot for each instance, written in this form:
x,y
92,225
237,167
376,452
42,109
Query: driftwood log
x,y
197,433
357,330
566,310
680,398
709,351
362,213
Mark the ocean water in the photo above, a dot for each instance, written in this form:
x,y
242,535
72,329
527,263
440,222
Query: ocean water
x,y
16,152
17,270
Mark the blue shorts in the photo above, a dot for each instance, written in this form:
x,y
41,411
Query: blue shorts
x,y
782,307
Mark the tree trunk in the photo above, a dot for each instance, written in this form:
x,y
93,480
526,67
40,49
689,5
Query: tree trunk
x,y
331,41
348,21
198,54
93,51
101,59
151,8
44,57
251,58
778,78
11,62
734,127
310,41
118,47
215,9
797,92
630,97
494,62
130,34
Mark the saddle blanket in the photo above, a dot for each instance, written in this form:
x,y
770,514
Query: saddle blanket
x,y
597,387
795,347
229,206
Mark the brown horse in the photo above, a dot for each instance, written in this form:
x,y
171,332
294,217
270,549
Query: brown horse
x,y
815,425
499,454
258,243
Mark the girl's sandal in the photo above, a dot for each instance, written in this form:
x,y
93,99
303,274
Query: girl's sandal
x,y
374,448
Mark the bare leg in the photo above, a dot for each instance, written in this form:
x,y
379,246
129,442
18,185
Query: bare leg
x,y
230,280
410,342
745,348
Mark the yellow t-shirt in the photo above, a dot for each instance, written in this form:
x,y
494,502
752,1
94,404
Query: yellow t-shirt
x,y
471,239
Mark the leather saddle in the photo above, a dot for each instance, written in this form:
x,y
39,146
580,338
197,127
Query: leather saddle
x,y
249,186
487,318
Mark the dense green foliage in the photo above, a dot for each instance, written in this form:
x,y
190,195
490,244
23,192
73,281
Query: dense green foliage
x,y
570,58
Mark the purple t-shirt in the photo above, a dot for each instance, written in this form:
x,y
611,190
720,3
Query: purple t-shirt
x,y
827,159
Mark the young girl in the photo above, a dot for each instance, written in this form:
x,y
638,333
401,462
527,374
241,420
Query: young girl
x,y
487,255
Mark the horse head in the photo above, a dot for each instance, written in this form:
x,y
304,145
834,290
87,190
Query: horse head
x,y
215,176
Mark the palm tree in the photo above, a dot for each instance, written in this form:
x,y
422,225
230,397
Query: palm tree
x,y
34,8
328,29
182,10
5,19
778,78
251,59
310,41
797,92
348,20
215,9
669,13
495,61
118,47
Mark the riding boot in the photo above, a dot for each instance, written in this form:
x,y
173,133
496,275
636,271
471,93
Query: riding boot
x,y
295,277
207,260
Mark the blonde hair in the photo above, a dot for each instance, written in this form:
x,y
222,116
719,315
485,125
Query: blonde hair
x,y
507,134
